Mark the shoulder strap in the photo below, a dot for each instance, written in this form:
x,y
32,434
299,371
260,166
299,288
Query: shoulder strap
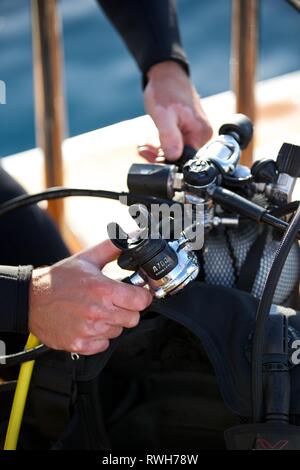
x,y
251,264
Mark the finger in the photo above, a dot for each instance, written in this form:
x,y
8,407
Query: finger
x,y
197,138
101,254
94,346
112,315
130,297
169,133
105,330
121,317
197,134
149,152
114,332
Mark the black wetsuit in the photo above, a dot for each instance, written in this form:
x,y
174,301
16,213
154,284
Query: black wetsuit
x,y
28,237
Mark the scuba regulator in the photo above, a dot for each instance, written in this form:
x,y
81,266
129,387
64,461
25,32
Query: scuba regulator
x,y
168,266
226,194
164,266
212,182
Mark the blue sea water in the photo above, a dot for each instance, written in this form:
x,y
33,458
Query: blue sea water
x,y
101,80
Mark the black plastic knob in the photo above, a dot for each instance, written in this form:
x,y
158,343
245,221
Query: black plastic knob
x,y
187,154
150,179
155,256
199,172
125,261
265,171
241,127
288,160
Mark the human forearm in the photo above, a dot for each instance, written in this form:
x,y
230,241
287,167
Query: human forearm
x,y
149,29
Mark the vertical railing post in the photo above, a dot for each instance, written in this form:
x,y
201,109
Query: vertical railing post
x,y
244,48
49,103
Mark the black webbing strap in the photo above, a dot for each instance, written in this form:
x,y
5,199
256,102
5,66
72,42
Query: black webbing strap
x,y
251,264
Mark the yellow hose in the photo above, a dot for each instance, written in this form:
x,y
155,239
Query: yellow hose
x,y
21,392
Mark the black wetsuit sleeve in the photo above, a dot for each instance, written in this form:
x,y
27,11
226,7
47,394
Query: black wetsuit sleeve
x,y
14,298
150,30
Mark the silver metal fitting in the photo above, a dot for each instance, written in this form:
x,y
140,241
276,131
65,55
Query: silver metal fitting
x,y
224,152
185,271
281,192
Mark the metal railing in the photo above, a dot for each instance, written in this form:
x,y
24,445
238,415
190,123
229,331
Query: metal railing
x,y
243,61
49,102
49,97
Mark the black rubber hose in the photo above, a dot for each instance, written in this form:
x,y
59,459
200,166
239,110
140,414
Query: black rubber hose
x,y
263,313
58,193
23,356
236,203
287,209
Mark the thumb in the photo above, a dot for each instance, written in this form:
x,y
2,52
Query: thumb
x,y
169,133
100,254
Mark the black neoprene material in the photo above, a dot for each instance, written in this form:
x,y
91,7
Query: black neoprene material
x,y
27,237
14,283
222,319
251,264
149,29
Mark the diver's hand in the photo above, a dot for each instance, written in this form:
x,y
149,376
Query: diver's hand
x,y
175,107
74,307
